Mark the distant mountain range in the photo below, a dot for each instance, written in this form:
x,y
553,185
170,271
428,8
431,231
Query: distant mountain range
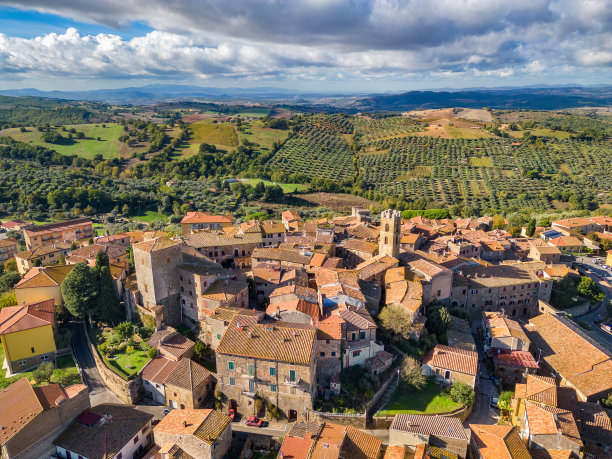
x,y
535,97
544,98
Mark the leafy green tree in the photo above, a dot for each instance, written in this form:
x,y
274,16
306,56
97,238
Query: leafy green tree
x,y
438,318
590,289
411,373
108,306
43,372
531,227
8,280
11,265
61,260
79,290
151,352
462,393
607,402
396,320
504,400
8,299
199,349
125,330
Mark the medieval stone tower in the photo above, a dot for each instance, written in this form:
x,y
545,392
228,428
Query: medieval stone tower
x,y
390,226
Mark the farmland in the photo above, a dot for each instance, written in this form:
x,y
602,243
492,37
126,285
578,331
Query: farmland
x,y
108,146
218,134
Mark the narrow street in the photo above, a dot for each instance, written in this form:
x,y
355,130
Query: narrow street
x,y
481,412
98,392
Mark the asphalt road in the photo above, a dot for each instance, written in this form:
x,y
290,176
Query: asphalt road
x,y
98,392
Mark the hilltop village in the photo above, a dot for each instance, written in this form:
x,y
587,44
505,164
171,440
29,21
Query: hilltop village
x,y
361,336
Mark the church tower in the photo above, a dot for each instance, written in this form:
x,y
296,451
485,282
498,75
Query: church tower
x,y
390,233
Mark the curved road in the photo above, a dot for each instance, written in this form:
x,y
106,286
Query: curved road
x,y
98,392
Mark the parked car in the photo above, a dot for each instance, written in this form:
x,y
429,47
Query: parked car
x,y
494,401
232,413
253,421
167,410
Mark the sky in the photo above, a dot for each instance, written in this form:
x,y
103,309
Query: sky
x,y
310,45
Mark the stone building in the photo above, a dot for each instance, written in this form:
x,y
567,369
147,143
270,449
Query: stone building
x,y
438,431
269,278
272,360
30,415
67,231
188,385
436,280
512,288
229,247
46,255
451,364
156,262
202,434
219,320
390,233
198,221
330,333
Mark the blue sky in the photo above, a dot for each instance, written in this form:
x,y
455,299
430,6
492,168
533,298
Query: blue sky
x,y
322,45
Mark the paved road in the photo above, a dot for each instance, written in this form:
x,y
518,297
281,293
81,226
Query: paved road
x,y
98,392
481,412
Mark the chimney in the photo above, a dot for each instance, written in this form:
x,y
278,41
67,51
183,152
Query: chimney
x,y
184,423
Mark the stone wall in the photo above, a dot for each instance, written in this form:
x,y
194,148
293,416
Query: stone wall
x,y
392,380
358,421
129,392
573,311
384,422
328,364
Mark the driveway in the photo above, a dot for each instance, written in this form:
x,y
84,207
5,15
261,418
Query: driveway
x,y
98,392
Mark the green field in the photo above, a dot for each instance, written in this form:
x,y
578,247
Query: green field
x,y
431,400
264,137
287,187
109,146
149,216
220,134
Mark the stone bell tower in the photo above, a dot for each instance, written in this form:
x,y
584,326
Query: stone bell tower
x,y
390,234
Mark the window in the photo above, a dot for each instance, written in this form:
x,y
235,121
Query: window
x,y
439,293
356,353
232,381
272,371
251,369
119,456
272,387
292,390
32,350
322,354
251,385
230,365
23,363
362,334
474,291
291,375
136,439
181,277
333,354
44,357
353,335
218,335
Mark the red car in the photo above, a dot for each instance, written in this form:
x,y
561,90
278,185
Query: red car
x,y
253,421
232,413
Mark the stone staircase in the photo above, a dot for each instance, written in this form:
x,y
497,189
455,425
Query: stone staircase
x,y
236,450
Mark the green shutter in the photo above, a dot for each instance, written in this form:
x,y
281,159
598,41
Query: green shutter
x,y
273,387
291,375
230,365
251,369
272,371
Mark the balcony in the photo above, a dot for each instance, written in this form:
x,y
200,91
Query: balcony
x,y
293,383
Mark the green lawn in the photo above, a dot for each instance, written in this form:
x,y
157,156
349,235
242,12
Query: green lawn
x,y
130,364
428,401
149,216
287,187
65,372
109,146
262,136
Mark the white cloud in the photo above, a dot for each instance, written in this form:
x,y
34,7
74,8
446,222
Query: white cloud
x,y
316,39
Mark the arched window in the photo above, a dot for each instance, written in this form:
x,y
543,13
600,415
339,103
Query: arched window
x,y
386,240
386,227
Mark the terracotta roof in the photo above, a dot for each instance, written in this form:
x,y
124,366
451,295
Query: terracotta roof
x,y
572,353
290,215
521,359
158,369
358,245
278,254
552,454
172,451
227,313
376,265
498,442
188,374
360,445
59,226
575,222
19,405
225,289
206,217
410,238
49,276
566,241
550,420
595,423
538,388
396,452
452,358
168,340
104,440
9,241
156,244
18,318
330,328
440,426
357,320
295,304
282,341
304,292
501,327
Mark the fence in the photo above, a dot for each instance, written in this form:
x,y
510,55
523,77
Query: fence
x,y
358,420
